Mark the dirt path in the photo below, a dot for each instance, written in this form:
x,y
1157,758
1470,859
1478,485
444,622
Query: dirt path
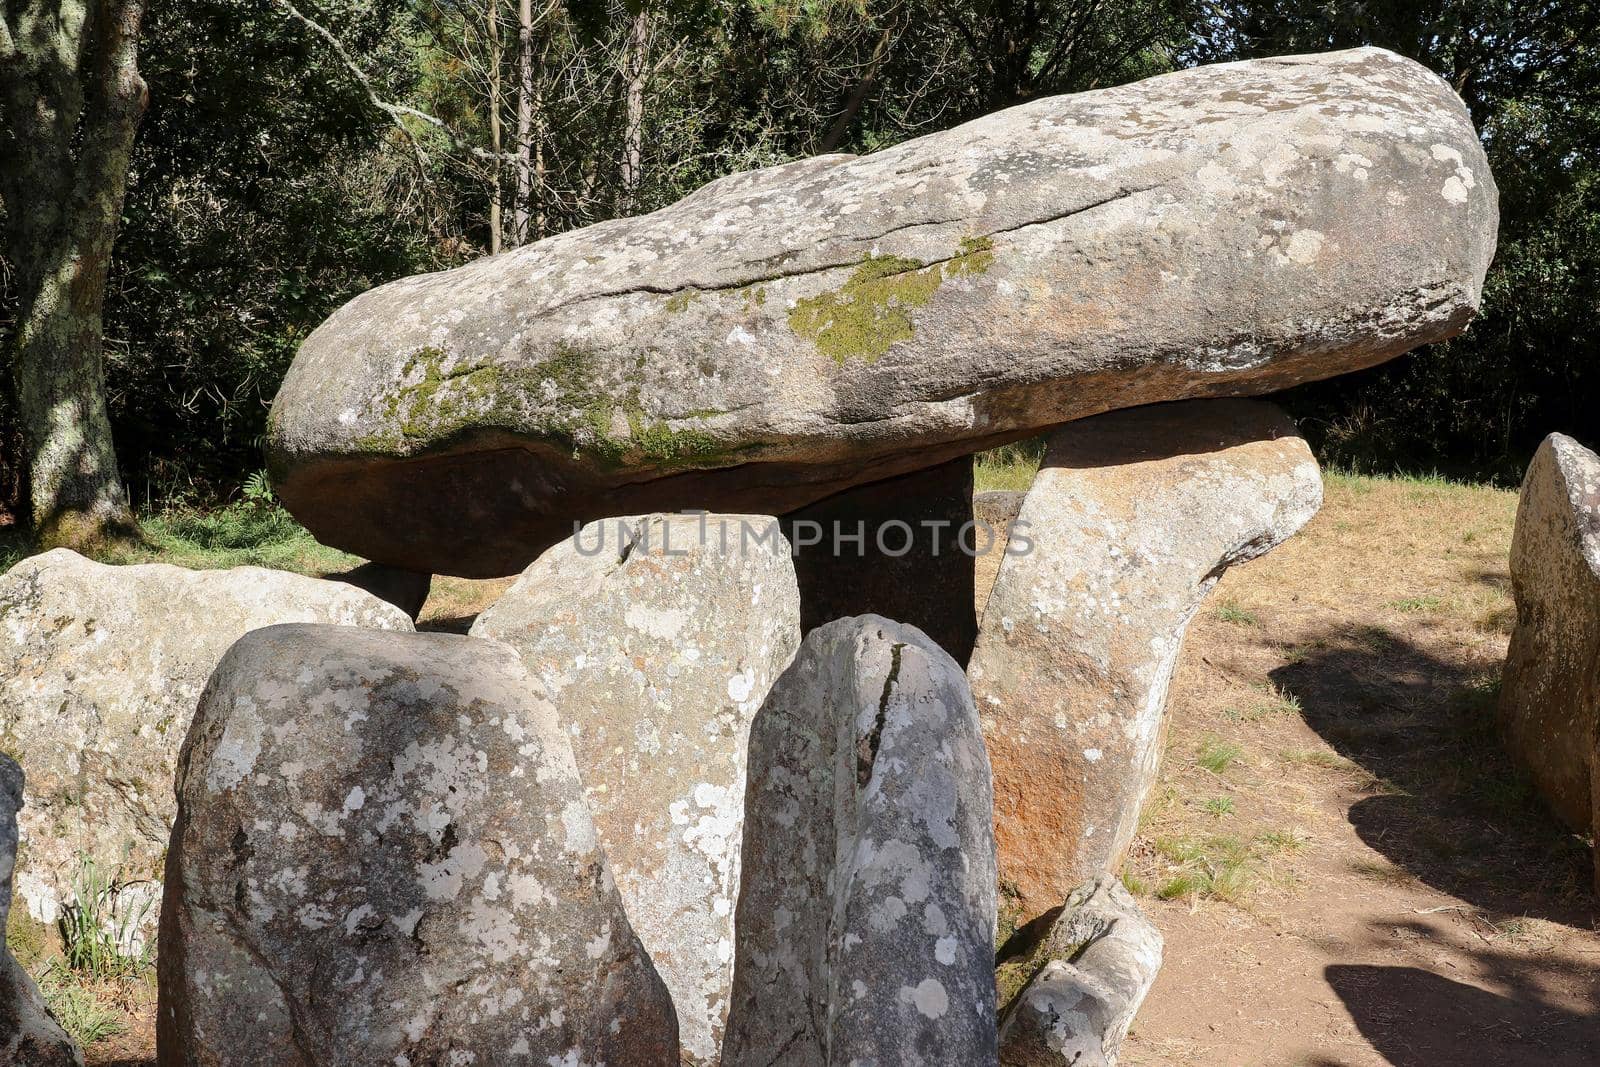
x,y
1356,875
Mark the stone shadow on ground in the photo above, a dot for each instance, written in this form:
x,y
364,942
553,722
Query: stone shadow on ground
x,y
1448,806
1415,1018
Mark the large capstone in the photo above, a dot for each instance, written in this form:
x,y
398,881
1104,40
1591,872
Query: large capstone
x,y
1132,518
781,335
657,639
382,856
867,911
100,668
29,1035
1550,694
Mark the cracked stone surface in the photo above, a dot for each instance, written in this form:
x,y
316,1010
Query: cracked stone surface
x,y
382,849
1549,708
29,1034
784,334
1133,517
100,668
867,911
657,638
1101,957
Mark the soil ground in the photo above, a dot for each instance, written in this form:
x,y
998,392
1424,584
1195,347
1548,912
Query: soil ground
x,y
1345,868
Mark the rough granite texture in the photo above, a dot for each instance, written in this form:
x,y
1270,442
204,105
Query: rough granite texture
x,y
383,856
1101,958
783,334
1132,518
100,668
909,563
867,911
1550,694
657,638
29,1034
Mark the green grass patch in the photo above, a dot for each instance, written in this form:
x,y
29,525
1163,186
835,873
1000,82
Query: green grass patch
x,y
1217,755
1219,807
1268,701
1010,466
86,1018
1416,604
1230,612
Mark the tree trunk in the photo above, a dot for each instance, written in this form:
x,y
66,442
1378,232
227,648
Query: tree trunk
x,y
635,65
69,134
493,26
525,78
858,96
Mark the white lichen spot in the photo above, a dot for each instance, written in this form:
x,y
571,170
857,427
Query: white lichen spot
x,y
928,997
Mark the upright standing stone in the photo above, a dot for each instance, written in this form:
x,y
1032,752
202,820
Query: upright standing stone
x,y
1550,695
657,639
903,548
29,1034
100,668
867,911
382,856
1132,519
1096,964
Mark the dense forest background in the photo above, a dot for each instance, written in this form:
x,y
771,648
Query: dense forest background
x,y
297,152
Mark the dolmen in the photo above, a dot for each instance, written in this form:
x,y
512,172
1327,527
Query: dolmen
x,y
737,770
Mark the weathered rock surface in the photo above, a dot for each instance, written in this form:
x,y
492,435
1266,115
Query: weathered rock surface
x,y
998,508
1101,957
900,548
785,334
100,668
29,1034
657,638
382,856
1550,693
867,911
1131,520
406,590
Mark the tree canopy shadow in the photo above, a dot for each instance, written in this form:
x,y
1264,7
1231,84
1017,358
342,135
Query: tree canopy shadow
x,y
1447,806
1415,1018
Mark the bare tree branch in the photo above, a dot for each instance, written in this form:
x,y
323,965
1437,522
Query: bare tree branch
x,y
396,112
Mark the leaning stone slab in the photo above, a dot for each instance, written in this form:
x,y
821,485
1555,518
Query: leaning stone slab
x,y
782,335
1100,958
100,668
1131,520
382,856
867,911
657,638
29,1034
1550,694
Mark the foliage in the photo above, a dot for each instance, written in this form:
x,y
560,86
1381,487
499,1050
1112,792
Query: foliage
x,y
85,1017
100,935
268,188
1529,365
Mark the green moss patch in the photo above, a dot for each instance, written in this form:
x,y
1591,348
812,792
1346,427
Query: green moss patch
x,y
872,310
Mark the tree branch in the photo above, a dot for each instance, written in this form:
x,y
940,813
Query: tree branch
x,y
398,113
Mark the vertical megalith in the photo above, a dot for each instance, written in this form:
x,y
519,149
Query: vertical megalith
x,y
867,911
657,639
382,855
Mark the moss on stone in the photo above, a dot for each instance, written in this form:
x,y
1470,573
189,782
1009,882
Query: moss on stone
x,y
872,310
681,300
